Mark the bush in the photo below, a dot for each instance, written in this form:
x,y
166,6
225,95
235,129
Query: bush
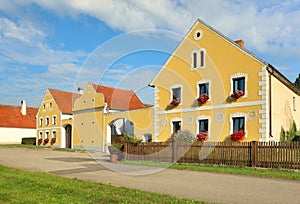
x,y
29,141
184,136
130,139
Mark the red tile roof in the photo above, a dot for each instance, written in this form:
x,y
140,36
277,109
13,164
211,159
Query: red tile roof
x,y
10,116
64,100
119,98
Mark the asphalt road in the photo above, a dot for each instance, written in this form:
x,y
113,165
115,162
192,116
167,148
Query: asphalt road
x,y
210,187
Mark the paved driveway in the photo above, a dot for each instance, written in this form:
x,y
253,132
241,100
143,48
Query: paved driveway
x,y
211,187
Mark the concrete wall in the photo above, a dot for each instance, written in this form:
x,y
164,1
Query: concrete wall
x,y
15,135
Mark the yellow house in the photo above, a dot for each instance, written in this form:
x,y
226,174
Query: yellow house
x,y
217,89
54,119
102,114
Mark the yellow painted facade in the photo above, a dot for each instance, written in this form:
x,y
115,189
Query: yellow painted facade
x,y
51,123
205,63
223,62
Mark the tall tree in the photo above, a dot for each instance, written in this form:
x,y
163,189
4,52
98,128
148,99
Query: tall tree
x,y
297,82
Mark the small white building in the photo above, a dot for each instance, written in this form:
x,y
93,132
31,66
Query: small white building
x,y
17,122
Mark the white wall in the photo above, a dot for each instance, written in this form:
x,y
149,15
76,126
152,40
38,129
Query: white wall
x,y
15,135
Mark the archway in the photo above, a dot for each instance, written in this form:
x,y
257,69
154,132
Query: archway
x,y
68,130
117,128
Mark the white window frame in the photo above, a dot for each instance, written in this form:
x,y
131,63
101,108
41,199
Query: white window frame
x,y
195,34
41,121
175,120
198,58
236,115
203,117
204,81
239,75
54,131
47,121
294,103
54,120
47,134
171,92
41,135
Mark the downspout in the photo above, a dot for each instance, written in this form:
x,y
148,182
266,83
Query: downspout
x,y
271,72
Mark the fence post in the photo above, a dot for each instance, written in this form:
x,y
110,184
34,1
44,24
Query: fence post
x,y
125,150
173,151
254,153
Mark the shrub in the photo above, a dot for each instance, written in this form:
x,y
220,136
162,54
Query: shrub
x,y
184,136
29,141
130,139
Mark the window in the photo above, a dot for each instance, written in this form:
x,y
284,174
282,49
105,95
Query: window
x,y
238,123
176,94
41,121
47,121
197,34
50,105
54,134
176,126
41,135
44,106
54,120
47,135
198,58
203,125
239,84
204,88
294,103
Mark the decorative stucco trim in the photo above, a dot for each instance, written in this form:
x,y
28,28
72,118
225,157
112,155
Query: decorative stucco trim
x,y
264,111
156,120
214,107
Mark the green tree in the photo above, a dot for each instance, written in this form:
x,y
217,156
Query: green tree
x,y
297,82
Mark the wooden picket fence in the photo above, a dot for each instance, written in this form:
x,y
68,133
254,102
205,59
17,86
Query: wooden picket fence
x,y
284,155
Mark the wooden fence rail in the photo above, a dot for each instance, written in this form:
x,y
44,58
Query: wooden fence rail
x,y
253,154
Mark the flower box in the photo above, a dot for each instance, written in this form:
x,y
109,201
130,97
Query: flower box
x,y
237,94
40,141
175,102
53,140
202,99
46,140
238,135
202,136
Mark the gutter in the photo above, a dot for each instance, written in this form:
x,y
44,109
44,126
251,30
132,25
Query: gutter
x,y
271,72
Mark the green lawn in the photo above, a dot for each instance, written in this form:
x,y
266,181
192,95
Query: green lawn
x,y
18,186
272,173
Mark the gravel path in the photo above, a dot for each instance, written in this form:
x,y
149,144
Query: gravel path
x,y
210,187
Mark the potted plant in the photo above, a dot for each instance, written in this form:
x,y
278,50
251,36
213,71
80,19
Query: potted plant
x,y
53,140
174,102
237,94
238,135
46,140
202,136
40,141
113,153
203,98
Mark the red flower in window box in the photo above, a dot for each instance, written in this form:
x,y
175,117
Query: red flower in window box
x,y
238,135
237,94
203,98
53,140
46,140
202,136
40,141
175,102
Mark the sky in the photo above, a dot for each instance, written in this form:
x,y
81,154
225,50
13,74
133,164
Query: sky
x,y
63,44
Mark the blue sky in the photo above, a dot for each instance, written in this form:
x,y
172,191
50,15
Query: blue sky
x,y
62,44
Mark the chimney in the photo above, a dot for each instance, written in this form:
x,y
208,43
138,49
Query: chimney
x,y
80,90
240,43
23,107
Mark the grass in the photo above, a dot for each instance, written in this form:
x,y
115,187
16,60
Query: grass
x,y
270,173
28,187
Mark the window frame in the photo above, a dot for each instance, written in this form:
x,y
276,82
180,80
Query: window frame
x,y
47,121
175,120
236,76
198,59
54,120
172,93
231,122
202,118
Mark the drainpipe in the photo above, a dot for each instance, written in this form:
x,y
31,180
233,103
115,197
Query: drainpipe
x,y
271,72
